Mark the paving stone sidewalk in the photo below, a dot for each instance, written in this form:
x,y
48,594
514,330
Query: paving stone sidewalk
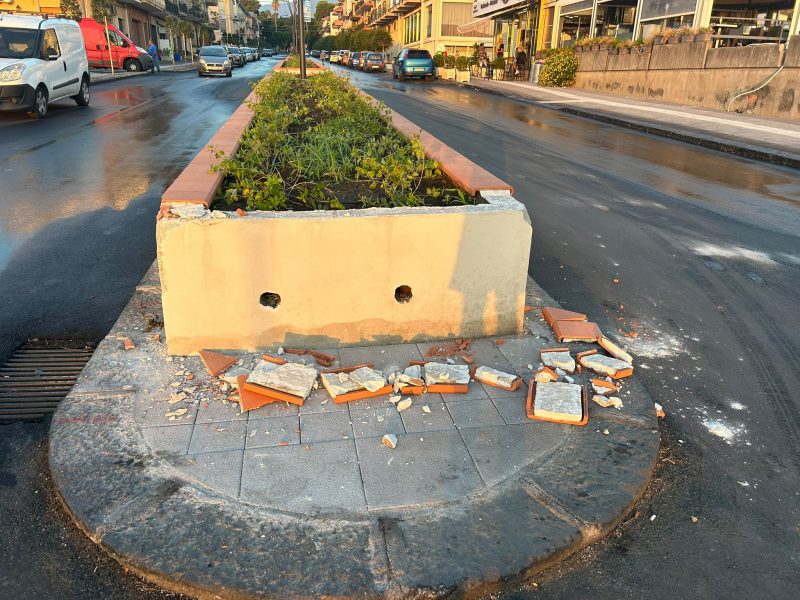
x,y
105,75
771,140
288,501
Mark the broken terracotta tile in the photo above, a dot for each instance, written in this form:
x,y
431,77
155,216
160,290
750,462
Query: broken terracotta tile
x,y
128,344
552,314
605,365
557,358
603,387
249,400
349,369
240,212
215,362
389,440
361,394
576,331
273,359
499,379
614,350
448,388
499,342
545,375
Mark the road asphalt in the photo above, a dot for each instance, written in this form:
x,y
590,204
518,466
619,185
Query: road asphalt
x,y
694,252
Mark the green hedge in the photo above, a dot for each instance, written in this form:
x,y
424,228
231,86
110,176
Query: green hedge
x,y
560,66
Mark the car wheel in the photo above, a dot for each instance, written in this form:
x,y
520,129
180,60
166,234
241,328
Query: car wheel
x,y
400,76
39,108
394,74
199,73
83,95
229,74
132,65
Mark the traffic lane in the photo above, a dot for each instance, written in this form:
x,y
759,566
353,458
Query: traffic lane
x,y
79,198
701,245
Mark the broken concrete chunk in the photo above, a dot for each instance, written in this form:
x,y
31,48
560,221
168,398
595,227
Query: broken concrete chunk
x,y
369,379
558,402
414,371
660,411
606,365
389,440
545,375
426,409
179,397
615,350
601,386
188,211
404,404
606,402
231,377
494,377
395,399
444,373
339,383
558,359
178,412
291,378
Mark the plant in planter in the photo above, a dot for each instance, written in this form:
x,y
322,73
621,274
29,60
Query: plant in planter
x,y
669,36
499,68
703,34
449,70
614,46
559,68
463,64
438,61
685,34
317,144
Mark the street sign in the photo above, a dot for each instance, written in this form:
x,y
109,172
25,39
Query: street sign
x,y
307,11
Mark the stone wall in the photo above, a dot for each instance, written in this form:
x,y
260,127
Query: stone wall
x,y
693,74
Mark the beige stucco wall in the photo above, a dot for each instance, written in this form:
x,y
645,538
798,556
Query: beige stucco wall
x,y
336,273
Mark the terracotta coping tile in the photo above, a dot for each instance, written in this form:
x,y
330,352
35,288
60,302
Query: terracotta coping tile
x,y
250,400
576,331
349,369
584,403
273,359
449,388
361,395
552,314
274,395
512,388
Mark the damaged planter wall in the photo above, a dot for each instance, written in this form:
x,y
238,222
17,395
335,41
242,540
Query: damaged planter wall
x,y
328,278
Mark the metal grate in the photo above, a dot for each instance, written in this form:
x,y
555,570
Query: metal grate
x,y
37,376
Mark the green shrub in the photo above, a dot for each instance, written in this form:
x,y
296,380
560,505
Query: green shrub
x,y
449,62
499,63
463,63
316,143
559,68
438,60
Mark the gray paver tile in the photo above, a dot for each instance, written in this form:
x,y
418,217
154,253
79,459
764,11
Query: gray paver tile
x,y
172,440
221,471
486,354
496,392
314,403
213,437
329,479
512,410
273,409
499,452
273,431
416,420
476,392
521,351
474,413
214,410
154,415
366,424
423,468
396,355
325,427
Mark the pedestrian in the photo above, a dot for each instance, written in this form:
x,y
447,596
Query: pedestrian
x,y
519,60
501,49
483,60
152,50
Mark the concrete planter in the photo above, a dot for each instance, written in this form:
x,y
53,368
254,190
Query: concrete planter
x,y
331,278
462,76
279,68
447,73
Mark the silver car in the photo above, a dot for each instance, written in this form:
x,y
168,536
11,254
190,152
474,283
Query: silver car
x,y
214,60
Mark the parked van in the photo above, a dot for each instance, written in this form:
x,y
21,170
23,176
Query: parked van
x,y
124,54
41,60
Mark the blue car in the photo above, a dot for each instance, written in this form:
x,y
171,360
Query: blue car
x,y
413,63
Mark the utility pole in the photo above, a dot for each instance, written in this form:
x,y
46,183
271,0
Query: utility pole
x,y
302,24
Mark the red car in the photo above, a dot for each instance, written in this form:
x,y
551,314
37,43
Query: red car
x,y
115,48
372,61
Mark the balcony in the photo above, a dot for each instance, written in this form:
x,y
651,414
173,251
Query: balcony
x,y
363,6
405,6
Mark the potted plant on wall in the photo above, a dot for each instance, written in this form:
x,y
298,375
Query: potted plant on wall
x,y
438,61
670,36
703,35
499,68
449,70
685,34
462,69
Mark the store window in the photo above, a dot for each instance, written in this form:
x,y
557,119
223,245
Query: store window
x,y
413,27
453,15
429,19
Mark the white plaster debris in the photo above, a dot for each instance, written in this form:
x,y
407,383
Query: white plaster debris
x,y
559,360
558,401
389,440
175,398
606,402
654,343
404,404
188,211
178,412
414,371
380,418
339,383
729,433
395,399
231,377
218,214
606,365
450,361
281,351
443,373
426,409
368,378
493,376
615,350
737,406
291,378
734,252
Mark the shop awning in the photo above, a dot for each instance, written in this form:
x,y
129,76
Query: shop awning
x,y
477,28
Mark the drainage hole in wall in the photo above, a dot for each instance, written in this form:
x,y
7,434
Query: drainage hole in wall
x,y
403,294
270,299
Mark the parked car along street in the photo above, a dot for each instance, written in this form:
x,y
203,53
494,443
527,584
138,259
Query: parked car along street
x,y
413,63
372,61
354,60
214,60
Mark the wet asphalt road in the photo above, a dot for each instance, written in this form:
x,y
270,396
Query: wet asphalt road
x,y
705,248
706,251
79,192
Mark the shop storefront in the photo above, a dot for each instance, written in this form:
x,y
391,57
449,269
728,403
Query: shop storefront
x,y
515,26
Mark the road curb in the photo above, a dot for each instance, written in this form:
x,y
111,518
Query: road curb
x,y
184,536
774,157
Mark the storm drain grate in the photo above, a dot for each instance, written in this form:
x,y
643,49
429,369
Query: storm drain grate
x,y
38,376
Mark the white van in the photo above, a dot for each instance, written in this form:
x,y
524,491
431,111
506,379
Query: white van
x,y
41,60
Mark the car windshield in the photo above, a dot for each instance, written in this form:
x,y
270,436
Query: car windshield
x,y
17,43
418,54
234,50
374,56
212,51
